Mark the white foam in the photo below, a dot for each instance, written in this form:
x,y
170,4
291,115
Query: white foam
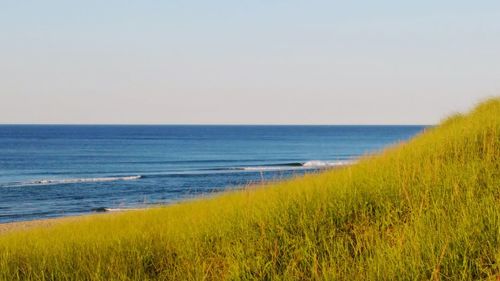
x,y
80,180
325,164
122,209
268,168
313,164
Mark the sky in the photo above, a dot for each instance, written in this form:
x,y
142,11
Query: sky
x,y
246,62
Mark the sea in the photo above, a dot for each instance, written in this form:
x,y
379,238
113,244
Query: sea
x,y
49,171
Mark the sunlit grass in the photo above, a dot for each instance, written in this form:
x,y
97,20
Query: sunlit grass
x,y
426,209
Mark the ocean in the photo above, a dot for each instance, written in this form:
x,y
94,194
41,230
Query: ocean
x,y
51,171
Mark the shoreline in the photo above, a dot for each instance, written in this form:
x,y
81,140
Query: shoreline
x,y
7,227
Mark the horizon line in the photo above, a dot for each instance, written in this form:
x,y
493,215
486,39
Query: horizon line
x,y
208,124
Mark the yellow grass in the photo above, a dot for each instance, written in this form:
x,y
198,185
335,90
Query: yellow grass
x,y
426,209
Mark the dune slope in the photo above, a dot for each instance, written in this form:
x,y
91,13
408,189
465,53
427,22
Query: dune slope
x,y
425,209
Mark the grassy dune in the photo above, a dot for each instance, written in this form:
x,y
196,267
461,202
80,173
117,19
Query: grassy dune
x,y
426,209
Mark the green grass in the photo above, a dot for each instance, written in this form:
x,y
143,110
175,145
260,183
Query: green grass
x,y
426,209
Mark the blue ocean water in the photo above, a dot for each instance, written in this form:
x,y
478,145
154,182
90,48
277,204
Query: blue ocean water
x,y
51,171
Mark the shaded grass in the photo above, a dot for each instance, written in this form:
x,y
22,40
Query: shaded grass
x,y
426,209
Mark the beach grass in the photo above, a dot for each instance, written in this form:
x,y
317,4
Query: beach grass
x,y
425,209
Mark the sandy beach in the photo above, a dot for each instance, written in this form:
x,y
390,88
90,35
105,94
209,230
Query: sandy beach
x,y
23,225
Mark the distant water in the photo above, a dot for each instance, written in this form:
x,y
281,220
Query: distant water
x,y
52,171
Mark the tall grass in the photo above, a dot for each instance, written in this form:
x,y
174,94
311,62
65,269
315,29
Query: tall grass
x,y
426,209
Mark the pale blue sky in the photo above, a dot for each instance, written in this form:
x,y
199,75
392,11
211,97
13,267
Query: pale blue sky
x,y
246,62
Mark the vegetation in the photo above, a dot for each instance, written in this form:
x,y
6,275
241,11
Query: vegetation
x,y
426,209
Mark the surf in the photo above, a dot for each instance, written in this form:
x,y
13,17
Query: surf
x,y
43,182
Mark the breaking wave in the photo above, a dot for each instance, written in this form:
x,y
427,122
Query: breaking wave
x,y
320,164
77,180
105,209
289,166
313,164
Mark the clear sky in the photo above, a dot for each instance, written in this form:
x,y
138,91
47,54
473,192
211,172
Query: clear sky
x,y
246,62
